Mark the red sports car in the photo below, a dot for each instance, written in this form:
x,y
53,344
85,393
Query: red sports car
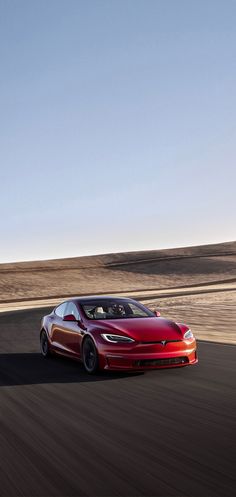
x,y
110,333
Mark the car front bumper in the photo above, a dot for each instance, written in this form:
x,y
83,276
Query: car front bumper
x,y
174,355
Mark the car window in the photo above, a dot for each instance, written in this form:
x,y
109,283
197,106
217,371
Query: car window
x,y
72,309
115,309
60,310
137,311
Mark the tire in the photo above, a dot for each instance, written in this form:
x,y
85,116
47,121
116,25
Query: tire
x,y
44,345
90,356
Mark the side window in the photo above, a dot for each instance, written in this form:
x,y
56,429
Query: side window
x,y
72,309
60,310
136,311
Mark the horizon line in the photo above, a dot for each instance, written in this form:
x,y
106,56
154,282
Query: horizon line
x,y
99,254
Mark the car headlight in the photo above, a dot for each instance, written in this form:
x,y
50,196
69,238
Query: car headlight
x,y
116,338
188,334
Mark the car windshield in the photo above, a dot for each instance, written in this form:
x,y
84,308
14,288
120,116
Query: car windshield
x,y
115,309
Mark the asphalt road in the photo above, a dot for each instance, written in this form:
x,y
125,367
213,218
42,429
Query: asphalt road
x,y
163,433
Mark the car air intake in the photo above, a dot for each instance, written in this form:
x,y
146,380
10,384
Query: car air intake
x,y
161,341
171,361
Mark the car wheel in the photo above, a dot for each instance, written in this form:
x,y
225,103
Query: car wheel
x,y
90,356
44,344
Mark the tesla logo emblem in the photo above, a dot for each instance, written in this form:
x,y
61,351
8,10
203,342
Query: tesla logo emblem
x,y
163,342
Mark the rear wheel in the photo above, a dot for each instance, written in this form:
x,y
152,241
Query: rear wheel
x,y
44,344
90,356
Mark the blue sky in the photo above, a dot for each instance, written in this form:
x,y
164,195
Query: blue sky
x,y
117,127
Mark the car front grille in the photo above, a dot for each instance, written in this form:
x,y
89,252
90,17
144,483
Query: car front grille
x,y
170,361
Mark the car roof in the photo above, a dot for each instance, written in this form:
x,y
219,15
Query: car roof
x,y
95,298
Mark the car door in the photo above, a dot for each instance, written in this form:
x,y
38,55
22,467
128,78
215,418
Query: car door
x,y
72,331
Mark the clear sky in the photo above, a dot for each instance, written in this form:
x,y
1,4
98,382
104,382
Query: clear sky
x,y
118,126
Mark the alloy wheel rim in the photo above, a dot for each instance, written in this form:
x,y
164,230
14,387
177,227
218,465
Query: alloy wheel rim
x,y
44,344
89,355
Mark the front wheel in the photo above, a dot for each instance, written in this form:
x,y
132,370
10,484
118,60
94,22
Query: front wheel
x,y
44,344
90,356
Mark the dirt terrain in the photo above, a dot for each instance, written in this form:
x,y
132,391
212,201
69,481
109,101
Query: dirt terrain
x,y
211,316
144,270
196,285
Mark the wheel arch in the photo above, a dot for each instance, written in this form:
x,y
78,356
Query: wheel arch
x,y
85,337
43,328
101,360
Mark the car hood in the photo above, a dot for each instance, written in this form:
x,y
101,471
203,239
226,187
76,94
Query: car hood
x,y
143,329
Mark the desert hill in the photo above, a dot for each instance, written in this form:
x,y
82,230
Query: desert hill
x,y
126,271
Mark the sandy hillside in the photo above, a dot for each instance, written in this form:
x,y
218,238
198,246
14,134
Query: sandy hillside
x,y
211,316
158,269
195,285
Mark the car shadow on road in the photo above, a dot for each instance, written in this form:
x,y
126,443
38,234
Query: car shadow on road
x,y
32,368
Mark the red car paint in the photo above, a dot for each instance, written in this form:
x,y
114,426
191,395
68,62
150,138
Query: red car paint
x,y
157,342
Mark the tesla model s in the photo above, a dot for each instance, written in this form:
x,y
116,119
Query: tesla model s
x,y
110,333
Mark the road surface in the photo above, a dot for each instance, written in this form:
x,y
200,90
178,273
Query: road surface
x,y
166,433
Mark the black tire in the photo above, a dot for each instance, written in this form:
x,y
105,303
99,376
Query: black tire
x,y
90,356
44,344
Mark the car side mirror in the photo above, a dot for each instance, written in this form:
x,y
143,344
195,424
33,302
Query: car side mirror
x,y
157,313
69,317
